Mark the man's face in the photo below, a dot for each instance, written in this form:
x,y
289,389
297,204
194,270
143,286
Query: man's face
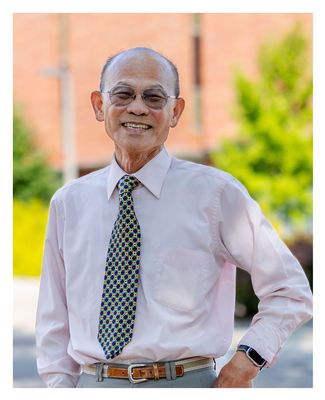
x,y
137,128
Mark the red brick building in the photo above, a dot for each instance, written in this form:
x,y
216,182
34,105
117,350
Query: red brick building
x,y
205,48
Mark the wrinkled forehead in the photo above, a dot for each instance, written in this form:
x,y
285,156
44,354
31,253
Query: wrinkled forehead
x,y
139,70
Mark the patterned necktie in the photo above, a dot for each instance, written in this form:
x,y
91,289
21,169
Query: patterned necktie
x,y
118,306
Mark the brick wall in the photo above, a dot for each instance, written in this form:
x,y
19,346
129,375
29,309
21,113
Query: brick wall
x,y
226,40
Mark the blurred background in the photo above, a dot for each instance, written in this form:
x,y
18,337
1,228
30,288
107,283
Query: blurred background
x,y
247,82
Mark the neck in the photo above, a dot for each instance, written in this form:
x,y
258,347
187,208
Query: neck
x,y
131,162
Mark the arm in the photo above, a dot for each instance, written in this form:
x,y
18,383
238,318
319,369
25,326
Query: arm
x,y
285,301
54,364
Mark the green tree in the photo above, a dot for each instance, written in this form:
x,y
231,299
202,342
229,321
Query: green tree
x,y
32,177
272,153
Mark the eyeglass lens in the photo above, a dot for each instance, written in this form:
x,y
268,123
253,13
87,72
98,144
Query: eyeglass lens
x,y
152,98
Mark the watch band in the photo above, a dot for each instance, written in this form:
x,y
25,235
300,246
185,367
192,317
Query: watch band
x,y
252,355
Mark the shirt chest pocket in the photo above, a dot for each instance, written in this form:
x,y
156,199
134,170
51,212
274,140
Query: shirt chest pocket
x,y
181,278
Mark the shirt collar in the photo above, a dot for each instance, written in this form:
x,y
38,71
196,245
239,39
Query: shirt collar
x,y
151,175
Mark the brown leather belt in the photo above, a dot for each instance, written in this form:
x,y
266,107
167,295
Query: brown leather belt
x,y
141,372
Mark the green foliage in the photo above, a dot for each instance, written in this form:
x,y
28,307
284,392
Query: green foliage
x,y
32,178
34,184
29,226
272,153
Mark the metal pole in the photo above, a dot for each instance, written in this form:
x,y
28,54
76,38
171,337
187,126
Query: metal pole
x,y
196,35
70,170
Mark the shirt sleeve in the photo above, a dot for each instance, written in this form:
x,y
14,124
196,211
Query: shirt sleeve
x,y
55,366
249,241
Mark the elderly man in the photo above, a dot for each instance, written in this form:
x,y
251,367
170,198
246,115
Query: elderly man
x,y
138,278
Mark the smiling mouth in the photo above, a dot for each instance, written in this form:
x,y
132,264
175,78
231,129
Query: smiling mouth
x,y
137,126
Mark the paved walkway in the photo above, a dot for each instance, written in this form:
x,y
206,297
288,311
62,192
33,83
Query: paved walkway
x,y
292,370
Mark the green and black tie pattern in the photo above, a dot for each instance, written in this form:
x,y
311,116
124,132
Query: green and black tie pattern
x,y
118,305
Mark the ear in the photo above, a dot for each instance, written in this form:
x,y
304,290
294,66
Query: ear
x,y
97,102
177,111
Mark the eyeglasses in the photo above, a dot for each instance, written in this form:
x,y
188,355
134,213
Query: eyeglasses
x,y
152,98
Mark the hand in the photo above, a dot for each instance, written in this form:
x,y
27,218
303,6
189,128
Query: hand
x,y
237,373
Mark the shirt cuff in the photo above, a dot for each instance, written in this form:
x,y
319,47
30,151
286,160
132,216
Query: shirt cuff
x,y
265,341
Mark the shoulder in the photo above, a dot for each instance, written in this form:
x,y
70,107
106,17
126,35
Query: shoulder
x,y
85,184
202,175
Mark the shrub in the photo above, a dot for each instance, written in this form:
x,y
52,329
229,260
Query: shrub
x,y
32,177
272,153
29,225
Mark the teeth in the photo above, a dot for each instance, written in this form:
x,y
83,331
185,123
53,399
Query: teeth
x,y
136,126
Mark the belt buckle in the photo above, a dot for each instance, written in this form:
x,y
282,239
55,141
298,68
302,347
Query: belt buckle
x,y
131,379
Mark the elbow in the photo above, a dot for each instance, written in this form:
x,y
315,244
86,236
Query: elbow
x,y
306,312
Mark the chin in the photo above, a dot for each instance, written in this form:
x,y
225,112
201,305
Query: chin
x,y
144,148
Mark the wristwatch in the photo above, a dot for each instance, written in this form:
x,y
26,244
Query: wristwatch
x,y
253,355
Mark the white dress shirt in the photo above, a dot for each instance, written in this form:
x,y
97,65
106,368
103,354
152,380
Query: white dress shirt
x,y
197,225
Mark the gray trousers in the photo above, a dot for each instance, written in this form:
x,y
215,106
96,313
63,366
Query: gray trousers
x,y
203,378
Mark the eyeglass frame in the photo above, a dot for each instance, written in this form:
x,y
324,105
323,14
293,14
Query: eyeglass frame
x,y
166,97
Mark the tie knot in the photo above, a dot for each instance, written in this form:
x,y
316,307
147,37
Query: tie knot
x,y
127,183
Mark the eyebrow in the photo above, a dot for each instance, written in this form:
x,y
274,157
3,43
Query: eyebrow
x,y
155,86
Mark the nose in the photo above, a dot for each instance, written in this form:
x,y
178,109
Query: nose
x,y
137,106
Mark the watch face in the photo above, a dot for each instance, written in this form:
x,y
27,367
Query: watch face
x,y
255,356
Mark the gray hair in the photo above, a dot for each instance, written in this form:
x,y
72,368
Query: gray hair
x,y
114,56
